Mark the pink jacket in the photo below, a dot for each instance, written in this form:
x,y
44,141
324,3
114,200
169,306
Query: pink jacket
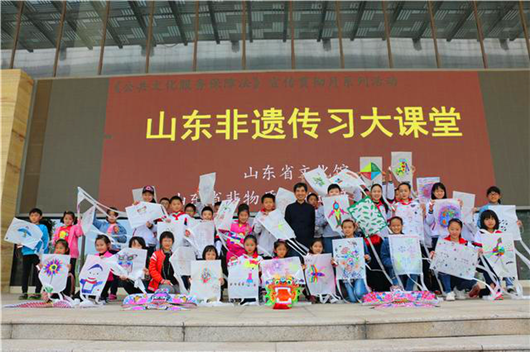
x,y
107,254
235,239
71,234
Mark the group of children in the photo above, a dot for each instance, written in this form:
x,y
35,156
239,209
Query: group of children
x,y
253,241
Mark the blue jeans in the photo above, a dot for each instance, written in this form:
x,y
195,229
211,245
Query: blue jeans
x,y
355,291
408,281
451,282
328,243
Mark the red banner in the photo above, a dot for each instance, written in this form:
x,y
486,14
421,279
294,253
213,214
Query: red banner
x,y
260,131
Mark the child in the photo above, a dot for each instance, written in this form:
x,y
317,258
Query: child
x,y
216,207
328,234
160,268
265,239
280,249
71,234
355,289
239,230
30,257
251,253
147,231
190,209
300,215
312,199
114,230
489,224
408,281
128,285
317,247
103,248
165,203
450,283
210,253
374,275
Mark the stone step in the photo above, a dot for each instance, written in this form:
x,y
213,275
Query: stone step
x,y
469,343
329,322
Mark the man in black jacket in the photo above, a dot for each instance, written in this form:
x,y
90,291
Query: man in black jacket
x,y
300,215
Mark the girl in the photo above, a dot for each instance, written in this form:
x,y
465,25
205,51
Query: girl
x,y
375,277
118,233
280,249
160,268
317,247
489,224
71,234
408,281
251,253
266,239
103,248
128,285
355,289
450,283
61,247
438,191
210,253
251,248
239,230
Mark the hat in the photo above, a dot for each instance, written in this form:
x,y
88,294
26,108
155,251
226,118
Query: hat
x,y
150,189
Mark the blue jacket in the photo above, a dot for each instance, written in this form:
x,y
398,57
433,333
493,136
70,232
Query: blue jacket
x,y
103,226
43,243
385,254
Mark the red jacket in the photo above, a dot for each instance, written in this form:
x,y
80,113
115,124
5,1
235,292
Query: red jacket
x,y
156,263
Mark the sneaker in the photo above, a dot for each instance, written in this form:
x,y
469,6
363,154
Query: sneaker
x,y
112,297
497,296
450,296
35,296
23,296
460,295
510,289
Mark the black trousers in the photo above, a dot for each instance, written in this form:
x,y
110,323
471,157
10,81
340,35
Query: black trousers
x,y
29,267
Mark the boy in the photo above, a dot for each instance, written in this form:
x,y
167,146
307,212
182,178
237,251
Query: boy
x,y
148,231
300,215
328,234
265,238
30,257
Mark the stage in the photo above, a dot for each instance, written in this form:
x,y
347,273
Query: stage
x,y
474,325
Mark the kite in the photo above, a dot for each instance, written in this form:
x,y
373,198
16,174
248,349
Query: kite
x,y
282,292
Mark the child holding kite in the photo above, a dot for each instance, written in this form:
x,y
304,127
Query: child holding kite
x,y
455,287
266,240
408,281
30,257
71,234
328,234
239,230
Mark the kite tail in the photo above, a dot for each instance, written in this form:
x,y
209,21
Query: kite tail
x,y
493,276
430,261
525,247
298,247
379,260
522,257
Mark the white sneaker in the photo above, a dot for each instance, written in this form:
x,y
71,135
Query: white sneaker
x,y
460,294
450,296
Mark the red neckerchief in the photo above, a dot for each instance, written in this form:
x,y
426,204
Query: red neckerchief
x,y
405,203
374,238
460,240
176,216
